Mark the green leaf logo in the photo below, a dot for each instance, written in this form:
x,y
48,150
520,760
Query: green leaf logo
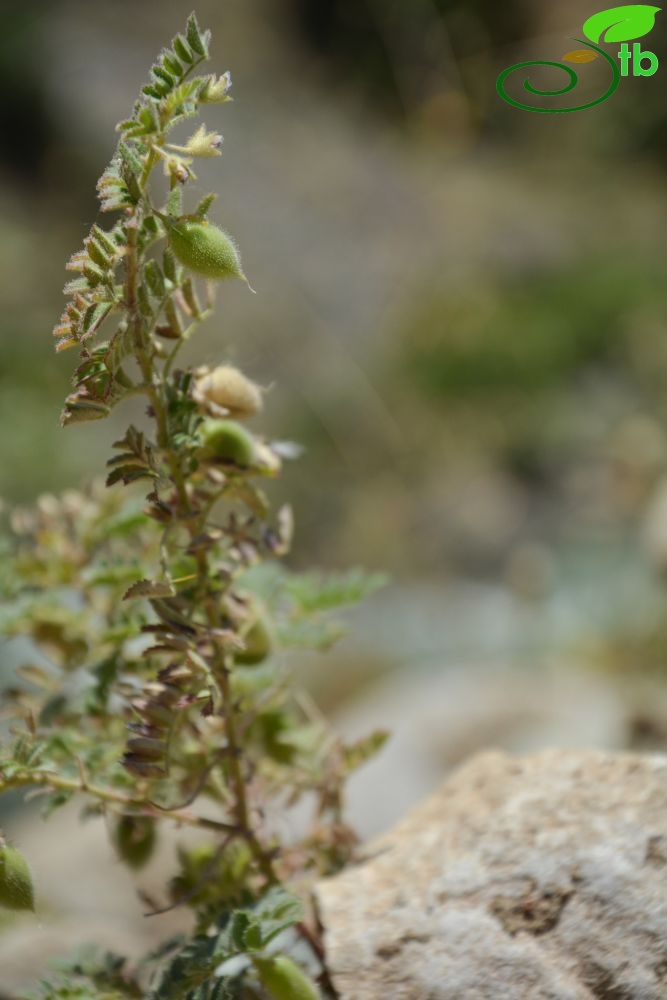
x,y
621,24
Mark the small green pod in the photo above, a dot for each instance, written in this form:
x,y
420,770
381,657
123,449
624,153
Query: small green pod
x,y
229,441
284,980
205,249
258,643
16,889
134,838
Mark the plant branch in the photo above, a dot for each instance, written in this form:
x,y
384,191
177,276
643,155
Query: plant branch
x,y
79,785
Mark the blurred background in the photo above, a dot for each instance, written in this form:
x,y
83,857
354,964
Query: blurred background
x,y
462,311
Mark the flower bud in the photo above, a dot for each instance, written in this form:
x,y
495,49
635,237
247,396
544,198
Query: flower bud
x,y
202,143
16,890
216,89
205,249
176,169
228,441
134,838
284,980
228,388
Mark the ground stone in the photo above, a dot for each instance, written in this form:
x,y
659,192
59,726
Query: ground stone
x,y
543,877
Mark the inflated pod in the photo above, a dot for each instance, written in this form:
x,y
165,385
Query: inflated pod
x,y
205,249
228,441
258,642
134,838
16,889
283,979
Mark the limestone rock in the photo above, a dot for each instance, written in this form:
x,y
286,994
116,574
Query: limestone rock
x,y
542,878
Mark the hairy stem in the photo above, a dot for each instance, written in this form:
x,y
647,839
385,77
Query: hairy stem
x,y
58,782
155,382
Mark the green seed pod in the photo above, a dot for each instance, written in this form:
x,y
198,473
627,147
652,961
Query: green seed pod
x,y
227,440
16,890
284,980
205,249
227,387
258,642
134,838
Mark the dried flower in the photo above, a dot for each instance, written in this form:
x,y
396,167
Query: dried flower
x,y
226,389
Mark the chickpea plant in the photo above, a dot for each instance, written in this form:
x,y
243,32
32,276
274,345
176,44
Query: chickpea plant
x,y
156,609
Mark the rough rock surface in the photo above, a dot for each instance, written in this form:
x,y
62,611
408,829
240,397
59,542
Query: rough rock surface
x,y
542,878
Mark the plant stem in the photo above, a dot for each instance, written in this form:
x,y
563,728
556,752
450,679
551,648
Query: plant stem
x,y
60,783
155,383
143,357
241,809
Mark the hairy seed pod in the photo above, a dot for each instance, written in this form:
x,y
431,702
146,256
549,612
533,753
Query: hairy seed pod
x,y
134,838
227,387
205,249
284,980
142,768
158,717
165,695
147,747
258,642
16,889
227,440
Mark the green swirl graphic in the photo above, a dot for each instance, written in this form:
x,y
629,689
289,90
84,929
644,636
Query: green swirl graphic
x,y
574,80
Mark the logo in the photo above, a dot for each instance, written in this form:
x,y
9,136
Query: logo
x,y
620,24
